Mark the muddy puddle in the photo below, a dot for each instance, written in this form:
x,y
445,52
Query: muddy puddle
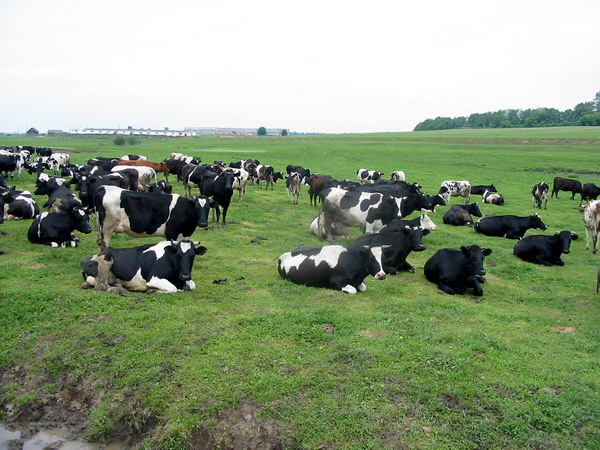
x,y
47,439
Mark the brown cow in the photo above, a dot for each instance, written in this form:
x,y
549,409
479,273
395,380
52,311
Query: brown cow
x,y
317,183
158,167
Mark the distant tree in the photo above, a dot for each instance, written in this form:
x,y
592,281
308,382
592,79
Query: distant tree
x,y
284,132
597,102
590,120
262,131
132,140
119,140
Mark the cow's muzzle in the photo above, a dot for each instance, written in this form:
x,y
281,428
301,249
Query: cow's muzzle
x,y
420,248
185,277
380,276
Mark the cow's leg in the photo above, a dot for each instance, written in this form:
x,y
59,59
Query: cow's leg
x,y
348,289
595,243
362,287
587,239
477,289
161,284
447,289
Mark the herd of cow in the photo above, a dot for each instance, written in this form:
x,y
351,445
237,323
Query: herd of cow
x,y
124,198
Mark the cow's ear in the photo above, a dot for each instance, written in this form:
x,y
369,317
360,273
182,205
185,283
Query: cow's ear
x,y
464,250
574,236
200,250
486,251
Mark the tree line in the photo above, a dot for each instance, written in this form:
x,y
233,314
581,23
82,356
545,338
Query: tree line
x,y
583,114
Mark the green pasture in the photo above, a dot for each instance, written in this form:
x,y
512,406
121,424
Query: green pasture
x,y
256,361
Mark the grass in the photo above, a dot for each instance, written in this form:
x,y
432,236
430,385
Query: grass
x,y
400,365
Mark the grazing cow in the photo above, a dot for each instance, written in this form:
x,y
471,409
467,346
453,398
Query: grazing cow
x,y
539,194
142,214
424,222
369,211
333,267
591,221
368,176
219,189
304,173
160,188
433,201
545,250
133,158
18,205
480,189
451,188
510,227
589,191
163,267
268,174
316,183
60,197
293,186
566,184
459,215
145,175
398,175
396,247
454,271
493,198
56,229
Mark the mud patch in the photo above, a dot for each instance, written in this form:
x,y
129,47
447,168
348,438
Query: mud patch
x,y
242,427
328,327
451,401
371,334
564,329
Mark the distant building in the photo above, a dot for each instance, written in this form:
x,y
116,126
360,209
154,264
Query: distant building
x,y
188,131
51,132
32,132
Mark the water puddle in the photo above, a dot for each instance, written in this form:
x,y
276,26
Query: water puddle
x,y
54,439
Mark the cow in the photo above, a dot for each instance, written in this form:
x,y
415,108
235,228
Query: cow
x,y
369,211
142,214
145,175
133,158
316,183
424,222
451,188
56,229
304,173
368,176
493,198
160,167
589,191
175,167
240,180
337,229
268,174
398,175
43,151
57,161
454,271
160,188
18,205
60,197
88,185
396,247
293,186
459,215
333,267
433,201
8,164
510,227
539,194
409,198
591,221
480,189
566,184
162,267
219,189
185,158
545,250
193,175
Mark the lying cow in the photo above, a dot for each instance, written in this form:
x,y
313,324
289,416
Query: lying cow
x,y
539,194
510,227
454,271
480,189
333,267
566,184
337,229
545,250
423,221
493,198
398,175
163,267
18,205
459,215
368,176
56,229
451,188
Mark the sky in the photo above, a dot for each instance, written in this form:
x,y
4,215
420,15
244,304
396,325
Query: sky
x,y
309,66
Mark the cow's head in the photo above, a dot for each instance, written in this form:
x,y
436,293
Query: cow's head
x,y
474,260
277,176
474,210
82,220
426,223
414,238
373,260
536,222
202,208
565,238
184,253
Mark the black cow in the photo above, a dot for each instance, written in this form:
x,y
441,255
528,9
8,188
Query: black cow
x,y
8,164
56,229
566,184
43,151
163,267
396,247
219,189
459,215
454,271
480,189
333,267
142,214
545,250
589,191
510,227
60,198
175,167
539,194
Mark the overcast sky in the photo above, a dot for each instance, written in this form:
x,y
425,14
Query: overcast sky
x,y
323,66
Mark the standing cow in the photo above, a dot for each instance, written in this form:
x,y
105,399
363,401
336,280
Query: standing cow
x,y
539,194
566,184
591,221
451,188
368,176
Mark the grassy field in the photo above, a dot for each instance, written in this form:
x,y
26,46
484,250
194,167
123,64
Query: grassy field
x,y
256,361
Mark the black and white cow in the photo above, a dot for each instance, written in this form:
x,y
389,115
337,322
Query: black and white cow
x,y
396,247
454,271
510,227
193,175
368,176
589,191
480,189
293,186
423,221
566,184
240,180
545,250
268,174
145,175
539,194
301,171
369,211
493,198
398,175
163,267
8,164
162,187
18,205
88,185
142,214
451,188
56,229
333,267
133,158
60,198
459,215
